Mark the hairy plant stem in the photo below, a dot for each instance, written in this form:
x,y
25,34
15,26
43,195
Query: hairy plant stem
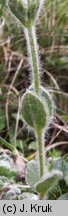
x,y
32,47
41,152
33,52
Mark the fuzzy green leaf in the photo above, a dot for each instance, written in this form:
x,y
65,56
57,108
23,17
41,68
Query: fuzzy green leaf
x,y
33,111
46,100
32,172
19,11
23,11
47,182
5,169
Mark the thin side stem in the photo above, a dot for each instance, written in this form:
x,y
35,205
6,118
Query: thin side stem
x,y
34,59
41,153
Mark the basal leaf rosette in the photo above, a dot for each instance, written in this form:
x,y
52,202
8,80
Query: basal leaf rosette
x,y
25,10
